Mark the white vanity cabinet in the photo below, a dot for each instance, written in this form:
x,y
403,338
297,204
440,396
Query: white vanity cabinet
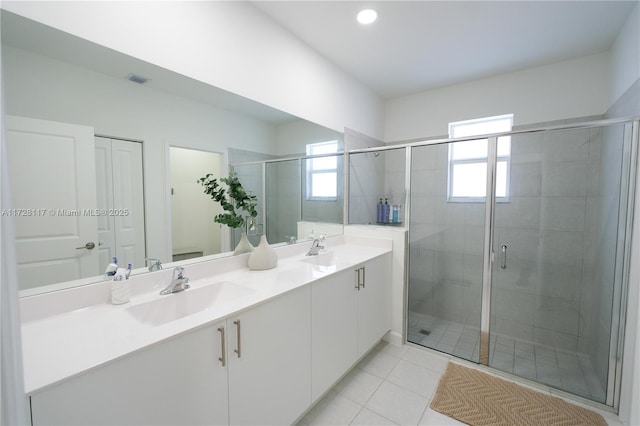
x,y
178,381
374,302
351,312
261,360
269,360
181,381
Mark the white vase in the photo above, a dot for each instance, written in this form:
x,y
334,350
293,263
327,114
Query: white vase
x,y
244,246
263,257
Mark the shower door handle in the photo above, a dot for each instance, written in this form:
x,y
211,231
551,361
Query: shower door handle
x,y
503,265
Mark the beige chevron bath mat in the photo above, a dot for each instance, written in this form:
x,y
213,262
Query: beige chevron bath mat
x,y
478,399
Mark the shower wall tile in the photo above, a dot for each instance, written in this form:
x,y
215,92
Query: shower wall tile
x,y
473,240
394,160
526,144
514,305
520,274
562,247
449,213
474,214
394,187
520,212
568,145
566,281
526,179
563,213
451,239
425,158
564,179
448,267
473,267
556,314
595,183
430,182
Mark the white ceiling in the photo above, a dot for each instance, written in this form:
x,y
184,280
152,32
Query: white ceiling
x,y
420,45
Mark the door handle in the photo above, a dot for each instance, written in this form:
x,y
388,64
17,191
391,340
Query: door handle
x,y
89,246
223,358
504,257
358,279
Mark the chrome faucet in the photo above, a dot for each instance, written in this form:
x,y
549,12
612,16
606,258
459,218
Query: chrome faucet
x,y
315,247
154,264
178,283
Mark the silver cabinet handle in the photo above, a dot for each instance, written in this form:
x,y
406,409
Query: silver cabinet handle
x,y
237,323
360,279
223,358
364,279
504,257
89,246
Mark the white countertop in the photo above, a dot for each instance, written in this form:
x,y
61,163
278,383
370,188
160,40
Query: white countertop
x,y
59,345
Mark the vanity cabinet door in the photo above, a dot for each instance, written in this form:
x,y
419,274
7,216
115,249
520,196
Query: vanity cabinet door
x,y
176,382
269,354
374,302
334,329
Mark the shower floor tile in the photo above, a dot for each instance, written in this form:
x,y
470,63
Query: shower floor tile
x,y
565,370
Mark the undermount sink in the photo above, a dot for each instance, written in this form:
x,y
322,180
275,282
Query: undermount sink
x,y
322,259
178,305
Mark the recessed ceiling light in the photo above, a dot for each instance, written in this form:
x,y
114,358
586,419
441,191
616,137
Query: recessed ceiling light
x,y
367,16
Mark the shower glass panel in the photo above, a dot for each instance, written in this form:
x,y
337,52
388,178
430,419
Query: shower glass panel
x,y
283,199
250,176
376,176
555,243
445,256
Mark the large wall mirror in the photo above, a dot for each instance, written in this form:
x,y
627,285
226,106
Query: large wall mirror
x,y
130,141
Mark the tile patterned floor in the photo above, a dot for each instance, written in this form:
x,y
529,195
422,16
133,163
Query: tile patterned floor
x,y
391,386
569,371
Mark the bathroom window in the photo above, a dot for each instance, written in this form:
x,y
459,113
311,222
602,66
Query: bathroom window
x,y
322,173
468,160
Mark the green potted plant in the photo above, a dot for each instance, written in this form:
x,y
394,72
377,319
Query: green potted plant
x,y
239,207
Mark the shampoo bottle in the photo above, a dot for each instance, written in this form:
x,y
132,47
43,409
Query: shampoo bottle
x,y
379,213
385,211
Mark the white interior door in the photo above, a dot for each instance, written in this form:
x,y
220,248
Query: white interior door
x,y
120,195
104,196
52,173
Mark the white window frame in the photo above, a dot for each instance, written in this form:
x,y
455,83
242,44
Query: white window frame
x,y
311,172
500,158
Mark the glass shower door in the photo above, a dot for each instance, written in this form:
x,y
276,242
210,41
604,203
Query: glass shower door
x,y
445,256
555,238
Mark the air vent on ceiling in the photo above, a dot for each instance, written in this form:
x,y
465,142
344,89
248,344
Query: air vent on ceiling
x,y
136,78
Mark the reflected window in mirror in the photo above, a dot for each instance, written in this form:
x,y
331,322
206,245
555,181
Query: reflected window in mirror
x,y
322,173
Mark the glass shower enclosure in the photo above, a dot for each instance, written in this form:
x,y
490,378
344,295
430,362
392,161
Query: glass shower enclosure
x,y
526,275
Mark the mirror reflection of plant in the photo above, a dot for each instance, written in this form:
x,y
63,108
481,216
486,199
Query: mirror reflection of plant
x,y
234,200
